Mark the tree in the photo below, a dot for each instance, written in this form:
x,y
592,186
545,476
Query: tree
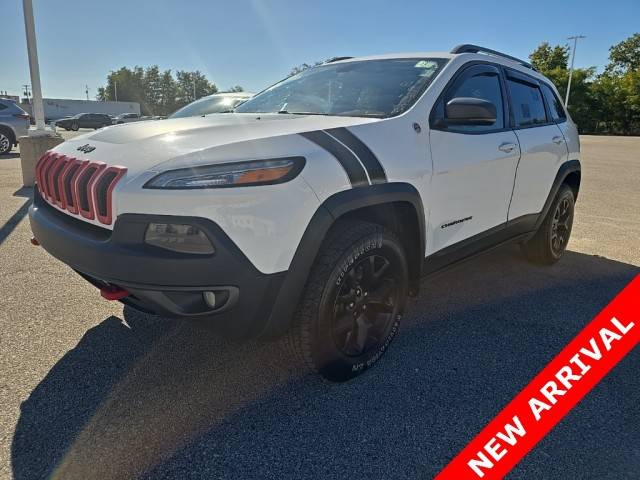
x,y
235,89
193,85
158,93
152,90
625,56
546,57
168,93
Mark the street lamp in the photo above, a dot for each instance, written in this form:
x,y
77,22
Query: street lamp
x,y
573,57
34,70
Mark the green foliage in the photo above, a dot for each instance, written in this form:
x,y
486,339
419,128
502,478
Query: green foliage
x,y
625,56
608,103
546,57
158,93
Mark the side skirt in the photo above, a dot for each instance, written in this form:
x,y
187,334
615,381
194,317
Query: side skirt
x,y
518,229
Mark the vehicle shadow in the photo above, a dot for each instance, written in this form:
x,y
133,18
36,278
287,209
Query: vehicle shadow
x,y
10,156
144,397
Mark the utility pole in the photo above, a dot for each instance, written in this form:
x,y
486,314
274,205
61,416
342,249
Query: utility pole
x,y
115,90
86,90
573,57
26,92
194,89
34,69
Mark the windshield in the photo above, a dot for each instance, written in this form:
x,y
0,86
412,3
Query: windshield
x,y
207,105
368,88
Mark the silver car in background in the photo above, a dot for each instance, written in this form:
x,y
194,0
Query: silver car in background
x,y
14,123
216,103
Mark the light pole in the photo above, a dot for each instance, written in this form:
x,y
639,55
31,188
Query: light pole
x,y
573,57
34,70
86,90
115,90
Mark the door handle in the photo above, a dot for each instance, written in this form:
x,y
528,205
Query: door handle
x,y
507,147
557,140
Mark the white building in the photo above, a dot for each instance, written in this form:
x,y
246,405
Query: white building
x,y
56,108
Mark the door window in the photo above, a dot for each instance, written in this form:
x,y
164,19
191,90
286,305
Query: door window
x,y
478,81
555,105
526,103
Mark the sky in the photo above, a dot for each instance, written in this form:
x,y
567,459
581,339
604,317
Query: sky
x,y
254,43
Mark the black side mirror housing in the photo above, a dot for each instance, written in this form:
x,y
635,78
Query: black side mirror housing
x,y
470,111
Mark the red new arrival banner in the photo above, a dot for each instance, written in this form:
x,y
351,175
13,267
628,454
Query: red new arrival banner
x,y
553,392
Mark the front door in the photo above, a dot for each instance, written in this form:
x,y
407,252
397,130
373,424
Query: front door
x,y
473,166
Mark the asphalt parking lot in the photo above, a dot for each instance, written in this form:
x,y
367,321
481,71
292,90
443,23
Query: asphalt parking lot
x,y
91,390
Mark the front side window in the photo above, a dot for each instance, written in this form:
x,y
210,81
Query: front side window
x,y
366,88
555,105
526,103
482,83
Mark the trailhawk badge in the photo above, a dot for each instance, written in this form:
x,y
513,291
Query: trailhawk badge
x,y
86,148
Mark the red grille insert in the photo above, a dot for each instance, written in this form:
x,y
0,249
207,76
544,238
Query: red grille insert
x,y
80,187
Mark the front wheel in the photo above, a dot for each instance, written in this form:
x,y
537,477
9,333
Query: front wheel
x,y
550,241
75,127
5,143
353,301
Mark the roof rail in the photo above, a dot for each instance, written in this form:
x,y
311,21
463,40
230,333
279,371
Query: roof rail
x,y
469,48
337,59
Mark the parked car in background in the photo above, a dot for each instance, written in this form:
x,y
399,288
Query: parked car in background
x,y
14,123
128,118
216,103
85,120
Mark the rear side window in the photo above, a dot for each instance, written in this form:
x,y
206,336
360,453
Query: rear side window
x,y
555,105
526,103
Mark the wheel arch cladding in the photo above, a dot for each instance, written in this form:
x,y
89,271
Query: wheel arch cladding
x,y
569,171
573,180
402,205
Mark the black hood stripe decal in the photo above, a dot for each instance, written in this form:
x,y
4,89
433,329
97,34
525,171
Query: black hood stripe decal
x,y
352,166
367,157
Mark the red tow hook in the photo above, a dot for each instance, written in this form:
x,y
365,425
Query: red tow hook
x,y
113,293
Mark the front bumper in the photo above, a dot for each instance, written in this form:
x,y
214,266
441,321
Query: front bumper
x,y
161,281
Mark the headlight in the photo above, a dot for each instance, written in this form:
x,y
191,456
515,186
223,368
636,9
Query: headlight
x,y
178,238
240,174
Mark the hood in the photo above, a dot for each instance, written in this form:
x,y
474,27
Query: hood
x,y
140,146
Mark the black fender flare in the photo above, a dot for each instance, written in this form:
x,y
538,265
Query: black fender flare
x,y
567,168
325,216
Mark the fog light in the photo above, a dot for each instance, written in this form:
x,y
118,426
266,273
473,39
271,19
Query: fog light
x,y
178,238
210,298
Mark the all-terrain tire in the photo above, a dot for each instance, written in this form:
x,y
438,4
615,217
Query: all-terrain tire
x,y
547,246
360,265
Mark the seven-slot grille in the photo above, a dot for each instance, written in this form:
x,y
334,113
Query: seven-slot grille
x,y
79,186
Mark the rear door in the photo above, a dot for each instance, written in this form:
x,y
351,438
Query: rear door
x,y
541,141
473,166
86,121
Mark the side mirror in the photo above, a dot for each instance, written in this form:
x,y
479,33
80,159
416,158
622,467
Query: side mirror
x,y
469,111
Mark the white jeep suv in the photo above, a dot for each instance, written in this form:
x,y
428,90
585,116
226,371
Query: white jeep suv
x,y
315,207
